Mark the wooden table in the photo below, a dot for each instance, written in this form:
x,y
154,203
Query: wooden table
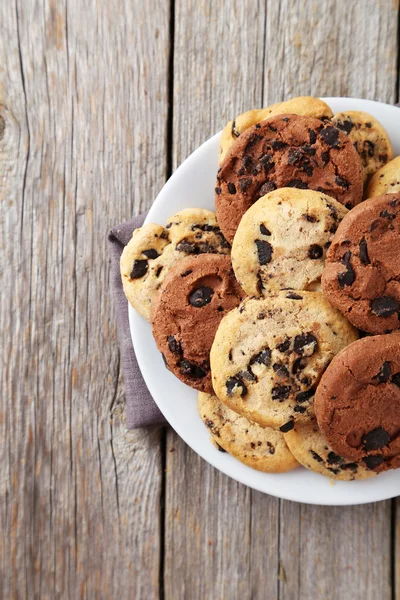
x,y
100,101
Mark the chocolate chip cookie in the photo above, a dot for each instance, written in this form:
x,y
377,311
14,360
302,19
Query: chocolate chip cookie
x,y
311,449
304,105
357,402
281,241
197,292
286,151
386,180
369,137
154,249
260,448
269,354
362,270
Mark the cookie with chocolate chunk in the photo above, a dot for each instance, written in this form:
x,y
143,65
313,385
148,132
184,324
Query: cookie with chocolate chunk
x,y
311,449
357,402
303,105
369,137
361,277
154,249
269,354
286,151
281,241
260,448
386,180
196,294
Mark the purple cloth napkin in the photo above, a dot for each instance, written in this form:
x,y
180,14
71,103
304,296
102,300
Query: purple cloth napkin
x,y
141,410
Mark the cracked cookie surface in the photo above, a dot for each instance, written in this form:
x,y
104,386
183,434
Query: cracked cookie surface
x,y
282,240
154,249
313,452
197,292
386,180
258,447
269,354
286,151
369,137
303,105
362,270
357,403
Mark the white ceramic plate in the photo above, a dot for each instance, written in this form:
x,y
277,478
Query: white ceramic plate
x,y
193,184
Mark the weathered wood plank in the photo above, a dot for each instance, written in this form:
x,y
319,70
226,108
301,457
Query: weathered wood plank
x,y
83,89
219,541
312,48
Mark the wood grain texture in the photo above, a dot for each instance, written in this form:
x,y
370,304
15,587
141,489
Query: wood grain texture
x,y
83,93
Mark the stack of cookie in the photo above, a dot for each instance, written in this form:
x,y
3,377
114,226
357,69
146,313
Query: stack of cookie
x,y
260,306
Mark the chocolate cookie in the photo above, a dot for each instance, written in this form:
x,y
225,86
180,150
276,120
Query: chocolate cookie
x,y
362,270
260,448
303,105
269,354
386,180
282,240
369,137
286,151
311,449
196,294
357,402
154,249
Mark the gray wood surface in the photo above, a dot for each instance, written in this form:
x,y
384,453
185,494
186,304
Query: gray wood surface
x,y
98,102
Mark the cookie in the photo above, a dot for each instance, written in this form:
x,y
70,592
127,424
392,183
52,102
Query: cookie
x,y
369,137
281,241
386,180
286,151
269,354
311,449
361,277
257,447
304,105
357,402
197,292
153,250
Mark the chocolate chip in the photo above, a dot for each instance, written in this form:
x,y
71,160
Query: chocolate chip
x,y
347,277
305,344
248,375
231,188
325,158
363,252
293,296
330,135
384,306
284,346
313,136
245,183
247,162
278,145
346,125
300,409
205,227
190,369
264,250
342,182
139,269
280,370
310,218
281,392
304,396
201,296
315,251
349,467
298,365
297,183
396,379
159,271
384,373
371,462
174,345
235,132
387,215
334,459
316,456
264,230
287,426
262,358
220,448
375,439
186,273
235,383
218,190
151,253
267,162
260,284
266,189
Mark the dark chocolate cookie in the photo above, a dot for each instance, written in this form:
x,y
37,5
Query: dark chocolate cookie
x,y
357,402
362,270
197,292
286,151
